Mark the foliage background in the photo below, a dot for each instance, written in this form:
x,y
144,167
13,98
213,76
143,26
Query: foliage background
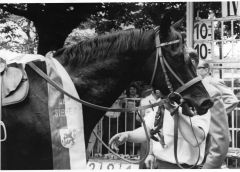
x,y
42,27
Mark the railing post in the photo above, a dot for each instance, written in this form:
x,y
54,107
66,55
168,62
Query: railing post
x,y
189,22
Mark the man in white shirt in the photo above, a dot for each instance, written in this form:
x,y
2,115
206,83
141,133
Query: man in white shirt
x,y
187,144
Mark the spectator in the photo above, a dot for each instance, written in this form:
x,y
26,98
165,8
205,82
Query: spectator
x,y
132,100
224,102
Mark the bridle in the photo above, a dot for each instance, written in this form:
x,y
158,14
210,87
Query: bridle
x,y
184,86
164,64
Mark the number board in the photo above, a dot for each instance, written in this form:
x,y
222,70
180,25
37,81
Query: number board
x,y
99,164
202,39
203,49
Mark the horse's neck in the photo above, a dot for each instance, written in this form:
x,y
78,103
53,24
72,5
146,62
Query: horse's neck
x,y
104,80
100,84
103,83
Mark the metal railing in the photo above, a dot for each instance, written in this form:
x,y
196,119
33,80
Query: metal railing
x,y
113,123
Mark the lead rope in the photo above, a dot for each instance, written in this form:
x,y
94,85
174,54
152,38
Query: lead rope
x,y
176,118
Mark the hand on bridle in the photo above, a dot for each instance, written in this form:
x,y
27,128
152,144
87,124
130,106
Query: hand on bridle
x,y
171,106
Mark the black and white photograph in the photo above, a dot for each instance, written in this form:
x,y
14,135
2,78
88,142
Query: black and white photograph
x,y
119,85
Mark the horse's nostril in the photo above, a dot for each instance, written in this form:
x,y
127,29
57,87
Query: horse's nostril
x,y
206,104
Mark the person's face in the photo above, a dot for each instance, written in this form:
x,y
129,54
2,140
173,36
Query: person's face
x,y
202,71
132,91
158,94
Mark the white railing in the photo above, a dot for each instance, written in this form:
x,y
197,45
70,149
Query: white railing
x,y
113,123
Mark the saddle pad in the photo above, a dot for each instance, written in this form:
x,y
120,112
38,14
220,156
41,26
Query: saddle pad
x,y
15,86
11,79
19,58
15,82
66,121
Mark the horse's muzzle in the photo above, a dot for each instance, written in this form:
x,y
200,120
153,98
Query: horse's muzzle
x,y
201,108
204,106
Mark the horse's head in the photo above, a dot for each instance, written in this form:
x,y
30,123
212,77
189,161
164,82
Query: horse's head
x,y
175,71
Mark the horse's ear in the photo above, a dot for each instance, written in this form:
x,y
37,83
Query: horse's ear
x,y
59,52
178,24
165,25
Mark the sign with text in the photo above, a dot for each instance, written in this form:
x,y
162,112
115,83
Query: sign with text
x,y
203,30
202,37
203,49
230,8
110,165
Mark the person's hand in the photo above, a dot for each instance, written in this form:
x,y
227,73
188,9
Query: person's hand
x,y
118,139
149,161
170,105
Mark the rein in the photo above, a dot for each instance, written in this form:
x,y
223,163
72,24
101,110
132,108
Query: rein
x,y
94,106
98,107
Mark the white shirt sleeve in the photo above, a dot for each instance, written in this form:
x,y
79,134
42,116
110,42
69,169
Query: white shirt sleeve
x,y
149,114
202,121
149,119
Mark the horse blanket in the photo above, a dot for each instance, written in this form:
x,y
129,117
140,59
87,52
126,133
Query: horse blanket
x,y
46,128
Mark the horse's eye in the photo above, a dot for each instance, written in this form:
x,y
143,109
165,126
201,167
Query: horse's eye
x,y
194,63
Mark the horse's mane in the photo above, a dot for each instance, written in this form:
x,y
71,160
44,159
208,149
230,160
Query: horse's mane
x,y
100,47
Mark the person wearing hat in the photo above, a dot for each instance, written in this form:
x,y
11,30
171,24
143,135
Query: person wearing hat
x,y
218,137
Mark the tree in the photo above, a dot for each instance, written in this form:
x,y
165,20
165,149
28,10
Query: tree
x,y
53,22
17,34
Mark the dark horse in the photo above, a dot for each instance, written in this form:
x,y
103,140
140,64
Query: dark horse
x,y
101,68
